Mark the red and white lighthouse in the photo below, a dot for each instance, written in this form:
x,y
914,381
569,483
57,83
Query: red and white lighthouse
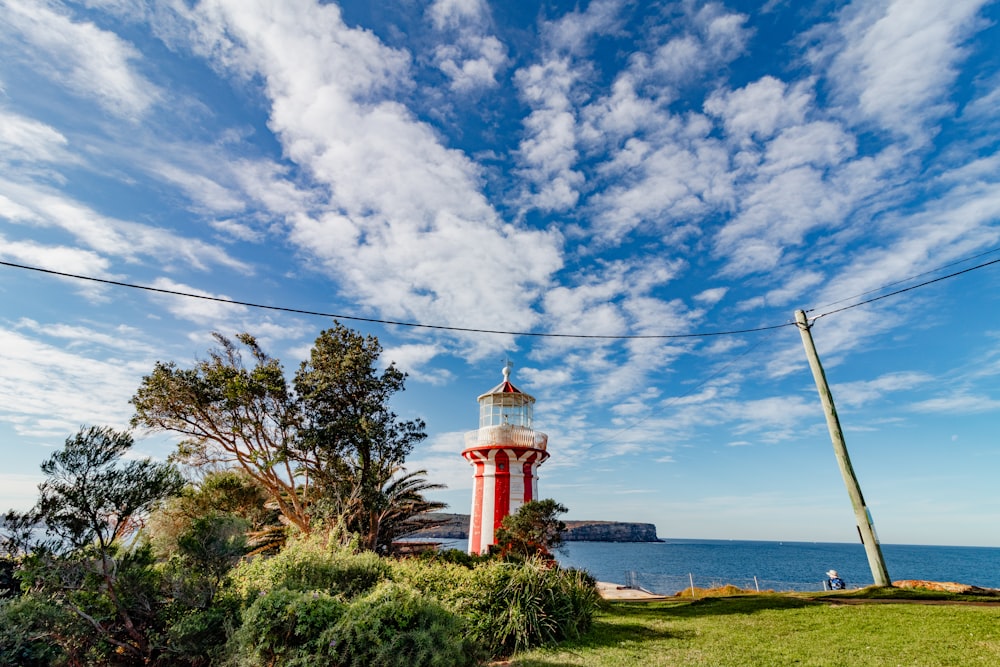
x,y
505,452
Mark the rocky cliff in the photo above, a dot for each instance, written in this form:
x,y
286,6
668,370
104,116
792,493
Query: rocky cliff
x,y
456,527
610,531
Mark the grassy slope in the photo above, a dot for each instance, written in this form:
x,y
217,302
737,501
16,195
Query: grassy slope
x,y
781,630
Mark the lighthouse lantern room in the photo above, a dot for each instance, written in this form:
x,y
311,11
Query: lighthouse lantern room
x,y
505,453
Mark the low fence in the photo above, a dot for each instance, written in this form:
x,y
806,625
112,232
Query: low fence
x,y
671,584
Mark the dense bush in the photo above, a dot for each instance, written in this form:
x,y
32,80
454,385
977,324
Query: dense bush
x,y
285,627
313,563
510,606
27,625
448,582
515,606
396,626
197,636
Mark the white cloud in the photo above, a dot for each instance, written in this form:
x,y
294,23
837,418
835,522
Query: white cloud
x,y
78,337
711,296
472,57
46,391
959,403
572,31
820,144
453,14
407,229
680,175
548,152
41,206
28,139
65,259
92,62
471,63
798,284
208,313
414,359
893,61
202,189
760,109
863,392
777,213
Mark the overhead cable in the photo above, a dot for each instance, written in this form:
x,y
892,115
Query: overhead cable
x,y
535,334
372,320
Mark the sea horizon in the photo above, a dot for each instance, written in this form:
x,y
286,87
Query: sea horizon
x,y
673,564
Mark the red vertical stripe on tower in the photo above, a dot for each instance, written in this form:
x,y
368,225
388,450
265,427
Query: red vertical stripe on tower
x,y
526,468
501,506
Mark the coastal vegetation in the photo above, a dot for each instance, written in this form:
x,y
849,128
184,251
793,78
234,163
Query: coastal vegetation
x,y
267,538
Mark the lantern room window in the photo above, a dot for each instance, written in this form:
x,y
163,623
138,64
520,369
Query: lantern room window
x,y
501,409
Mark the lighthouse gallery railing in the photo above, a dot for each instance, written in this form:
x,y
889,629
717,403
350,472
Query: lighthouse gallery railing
x,y
506,434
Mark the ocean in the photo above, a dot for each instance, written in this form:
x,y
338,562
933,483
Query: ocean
x,y
670,566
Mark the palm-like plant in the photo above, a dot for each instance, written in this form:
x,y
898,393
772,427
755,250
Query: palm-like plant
x,y
401,508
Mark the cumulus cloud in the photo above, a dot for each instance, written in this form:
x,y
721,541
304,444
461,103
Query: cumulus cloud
x,y
760,109
472,57
548,152
407,228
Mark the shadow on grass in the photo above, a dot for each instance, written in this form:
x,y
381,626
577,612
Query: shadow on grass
x,y
710,606
603,634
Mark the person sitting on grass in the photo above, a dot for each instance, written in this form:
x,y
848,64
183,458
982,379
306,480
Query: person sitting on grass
x,y
834,583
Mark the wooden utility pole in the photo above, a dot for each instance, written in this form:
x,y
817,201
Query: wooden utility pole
x,y
861,514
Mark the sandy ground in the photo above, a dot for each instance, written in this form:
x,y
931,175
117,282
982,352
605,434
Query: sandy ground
x,y
611,591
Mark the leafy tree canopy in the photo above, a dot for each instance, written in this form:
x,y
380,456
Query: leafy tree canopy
x,y
533,530
89,495
328,446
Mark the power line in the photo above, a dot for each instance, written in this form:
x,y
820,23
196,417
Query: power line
x,y
535,334
907,279
355,318
907,289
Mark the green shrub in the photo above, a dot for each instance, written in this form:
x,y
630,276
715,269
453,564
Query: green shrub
x,y
395,625
515,606
198,636
310,564
284,627
26,637
445,581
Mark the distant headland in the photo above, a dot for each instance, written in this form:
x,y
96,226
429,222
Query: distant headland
x,y
456,527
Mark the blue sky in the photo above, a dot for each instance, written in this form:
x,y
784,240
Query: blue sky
x,y
600,168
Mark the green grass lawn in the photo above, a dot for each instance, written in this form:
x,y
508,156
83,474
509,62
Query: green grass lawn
x,y
781,630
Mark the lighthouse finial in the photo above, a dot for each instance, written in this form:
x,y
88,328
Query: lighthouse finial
x,y
506,370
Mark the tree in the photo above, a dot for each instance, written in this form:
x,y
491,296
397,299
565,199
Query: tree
x,y
231,415
90,506
90,497
352,443
220,494
328,447
533,530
